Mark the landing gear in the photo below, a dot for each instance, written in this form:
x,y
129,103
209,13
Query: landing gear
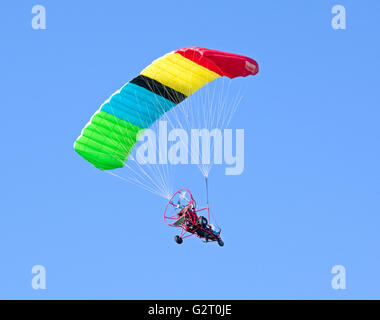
x,y
220,242
178,239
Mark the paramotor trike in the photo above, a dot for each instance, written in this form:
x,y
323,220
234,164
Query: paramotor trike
x,y
181,212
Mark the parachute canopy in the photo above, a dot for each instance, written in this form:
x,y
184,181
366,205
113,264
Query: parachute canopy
x,y
109,137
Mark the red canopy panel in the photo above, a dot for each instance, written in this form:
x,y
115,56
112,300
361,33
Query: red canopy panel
x,y
223,63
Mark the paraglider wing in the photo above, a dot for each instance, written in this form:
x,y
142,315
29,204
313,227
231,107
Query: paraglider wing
x,y
109,137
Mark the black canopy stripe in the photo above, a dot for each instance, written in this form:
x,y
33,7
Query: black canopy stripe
x,y
158,88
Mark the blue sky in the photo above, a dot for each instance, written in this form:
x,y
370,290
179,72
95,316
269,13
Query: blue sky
x,y
309,195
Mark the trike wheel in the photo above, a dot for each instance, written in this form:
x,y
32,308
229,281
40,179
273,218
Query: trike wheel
x,y
178,239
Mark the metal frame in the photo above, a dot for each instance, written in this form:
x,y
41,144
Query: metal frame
x,y
188,230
